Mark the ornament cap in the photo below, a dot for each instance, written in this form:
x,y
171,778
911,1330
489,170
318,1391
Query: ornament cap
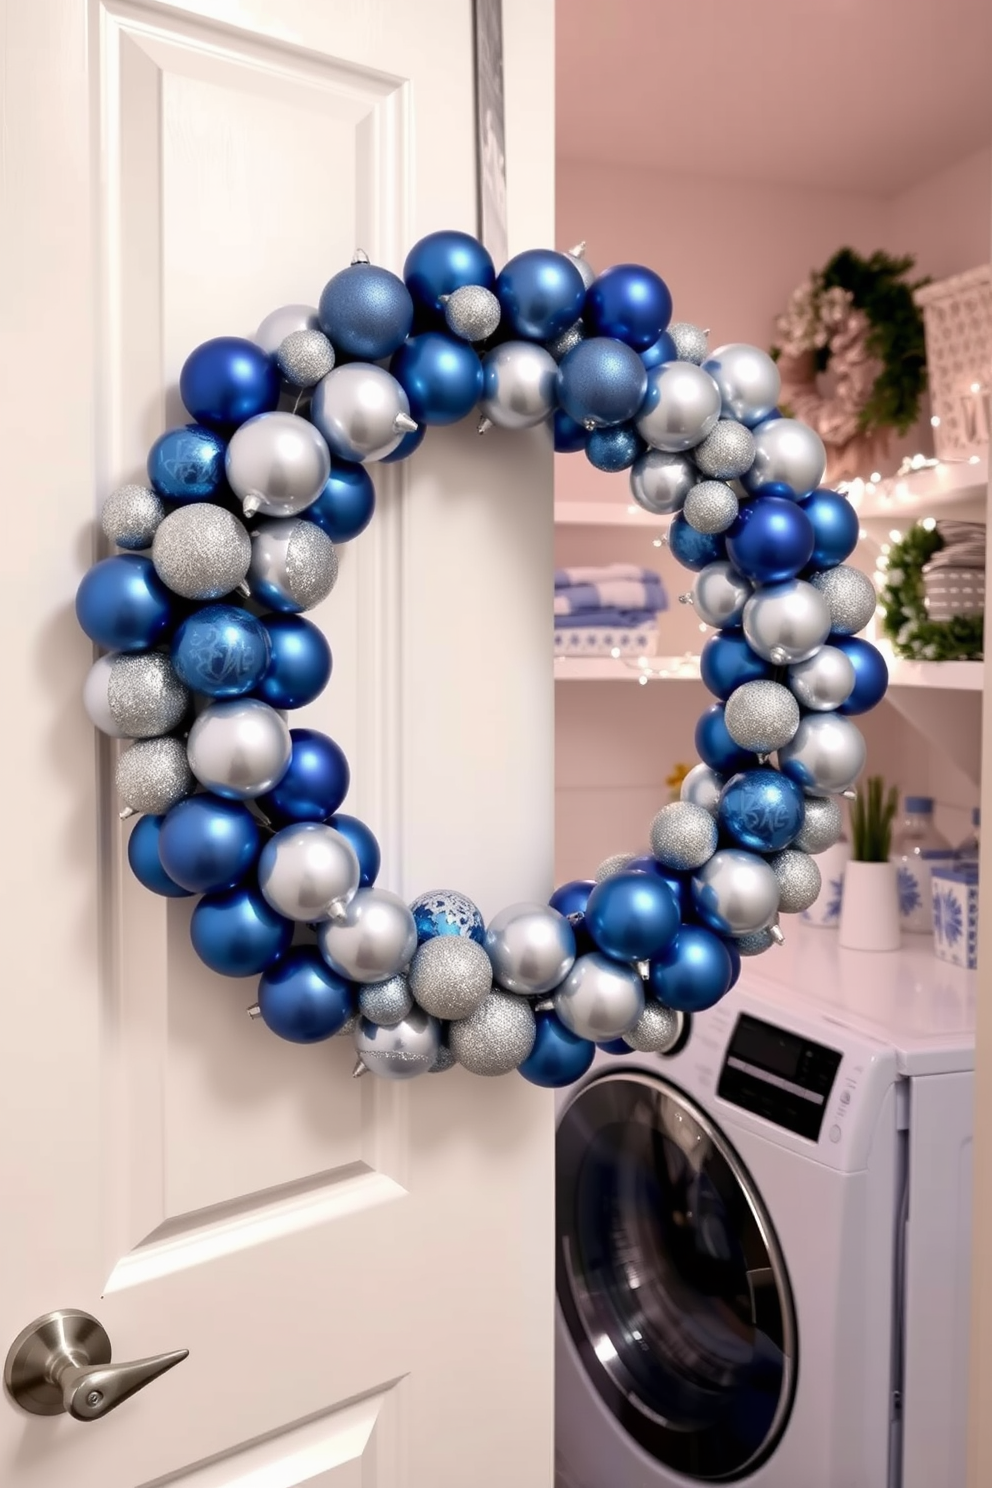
x,y
254,1011
360,1069
485,425
589,424
251,504
361,257
579,250
686,599
643,970
404,424
243,590
775,931
337,912
443,299
850,795
128,811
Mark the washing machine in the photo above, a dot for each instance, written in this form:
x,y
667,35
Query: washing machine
x,y
763,1239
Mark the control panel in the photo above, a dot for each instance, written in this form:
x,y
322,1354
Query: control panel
x,y
779,1075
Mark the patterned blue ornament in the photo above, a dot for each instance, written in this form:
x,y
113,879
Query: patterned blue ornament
x,y
122,604
208,844
663,350
559,1057
871,675
407,446
446,912
441,376
727,661
771,540
221,651
366,312
299,665
345,506
145,863
631,303
443,262
227,381
237,934
301,999
570,437
835,527
187,464
694,549
601,382
363,841
315,783
716,748
614,449
761,809
694,973
541,294
632,916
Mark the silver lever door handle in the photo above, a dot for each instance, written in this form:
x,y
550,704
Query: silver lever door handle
x,y
61,1362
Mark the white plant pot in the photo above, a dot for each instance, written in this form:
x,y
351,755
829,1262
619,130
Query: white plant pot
x,y
869,916
824,912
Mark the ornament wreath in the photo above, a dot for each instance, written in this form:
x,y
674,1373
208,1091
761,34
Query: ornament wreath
x,y
903,599
200,619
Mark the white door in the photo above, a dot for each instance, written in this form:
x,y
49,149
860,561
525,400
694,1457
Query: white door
x,y
361,1272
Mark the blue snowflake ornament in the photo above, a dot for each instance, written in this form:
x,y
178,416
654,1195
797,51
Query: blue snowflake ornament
x,y
445,912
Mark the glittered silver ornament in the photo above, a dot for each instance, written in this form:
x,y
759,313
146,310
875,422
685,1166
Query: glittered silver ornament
x,y
201,551
657,1030
372,939
823,824
680,408
401,1051
786,623
735,892
153,775
661,482
308,871
711,506
754,944
727,452
610,867
577,256
569,338
850,596
443,1060
131,516
450,975
691,341
748,379
720,593
761,716
304,357
293,564
702,787
531,947
239,748
362,412
134,696
497,1037
787,452
277,464
519,387
386,1003
683,836
824,681
600,999
826,756
798,877
472,313
347,1029
284,322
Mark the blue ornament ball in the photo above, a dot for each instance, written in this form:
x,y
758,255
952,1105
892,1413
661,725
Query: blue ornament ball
x,y
570,437
443,262
601,382
559,1057
441,376
616,1046
345,506
679,885
446,912
301,999
540,294
631,303
694,973
364,844
237,934
735,959
727,661
572,897
299,664
695,550
208,844
227,381
315,783
122,604
761,809
146,865
614,449
835,527
632,916
716,748
366,312
187,464
771,540
663,350
221,651
407,446
871,675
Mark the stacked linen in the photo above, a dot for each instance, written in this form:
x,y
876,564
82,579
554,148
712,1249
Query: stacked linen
x,y
602,610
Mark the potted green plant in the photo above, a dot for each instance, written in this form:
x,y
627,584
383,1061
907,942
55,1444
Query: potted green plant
x,y
869,917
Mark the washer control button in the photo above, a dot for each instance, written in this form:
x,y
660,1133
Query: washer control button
x,y
835,1133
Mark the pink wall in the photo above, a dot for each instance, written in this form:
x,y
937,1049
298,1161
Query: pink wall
x,y
945,220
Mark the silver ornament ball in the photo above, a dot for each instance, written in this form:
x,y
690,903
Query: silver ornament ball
x,y
308,871
680,408
399,1051
826,756
239,748
754,944
277,464
850,596
787,452
450,975
531,947
683,836
153,776
824,681
304,357
519,387
799,880
657,1030
285,322
131,517
201,551
569,338
444,1060
361,411
823,825
726,453
711,506
748,379
293,564
761,716
611,866
472,313
786,623
600,999
720,594
497,1037
735,892
347,1029
386,1003
577,256
702,787
135,696
372,939
661,482
691,341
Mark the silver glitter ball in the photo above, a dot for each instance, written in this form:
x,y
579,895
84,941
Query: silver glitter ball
x,y
293,564
823,825
569,338
657,1030
683,836
131,517
727,453
153,775
386,1003
661,482
450,975
443,1060
401,1052
472,313
691,342
798,880
761,716
139,696
201,551
824,681
347,1029
497,1037
850,596
702,787
304,357
755,943
610,867
710,506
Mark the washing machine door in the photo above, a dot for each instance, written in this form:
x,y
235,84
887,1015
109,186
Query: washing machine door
x,y
670,1279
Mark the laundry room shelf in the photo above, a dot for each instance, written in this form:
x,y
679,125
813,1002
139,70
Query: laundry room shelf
x,y
633,669
606,514
921,493
943,702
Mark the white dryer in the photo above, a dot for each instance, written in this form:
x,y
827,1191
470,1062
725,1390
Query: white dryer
x,y
763,1240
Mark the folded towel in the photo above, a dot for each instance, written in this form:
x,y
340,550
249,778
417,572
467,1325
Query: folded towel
x,y
566,577
596,619
617,594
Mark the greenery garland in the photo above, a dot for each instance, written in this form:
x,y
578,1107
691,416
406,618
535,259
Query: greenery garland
x,y
912,633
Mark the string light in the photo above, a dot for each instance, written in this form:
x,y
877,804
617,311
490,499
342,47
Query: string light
x,y
935,421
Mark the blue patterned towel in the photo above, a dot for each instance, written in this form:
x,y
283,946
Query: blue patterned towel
x,y
615,619
565,578
645,594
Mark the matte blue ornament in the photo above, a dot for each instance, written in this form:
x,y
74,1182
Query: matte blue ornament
x,y
364,843
443,262
616,1046
716,748
694,549
221,651
227,381
237,934
446,912
122,604
301,999
559,1057
631,303
441,376
727,661
735,959
632,916
187,464
315,783
299,664
345,506
570,437
208,844
835,527
771,540
572,897
407,446
694,973
601,382
871,675
366,312
761,809
146,865
679,885
663,350
541,294
614,449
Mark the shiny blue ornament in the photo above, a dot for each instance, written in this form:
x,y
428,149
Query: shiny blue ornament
x,y
835,527
727,661
716,748
761,810
366,312
631,303
540,294
871,675
572,897
301,999
632,916
446,912
736,962
221,651
208,844
694,973
443,262
614,449
123,605
694,549
441,376
615,1046
771,540
315,783
407,446
227,381
559,1057
146,865
601,382
364,843
187,464
299,664
237,934
570,437
679,885
663,350
345,506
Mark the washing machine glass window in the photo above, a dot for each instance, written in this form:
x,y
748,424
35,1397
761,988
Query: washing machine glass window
x,y
670,1278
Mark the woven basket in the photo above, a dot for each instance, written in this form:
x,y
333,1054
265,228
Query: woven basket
x,y
957,316
954,591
